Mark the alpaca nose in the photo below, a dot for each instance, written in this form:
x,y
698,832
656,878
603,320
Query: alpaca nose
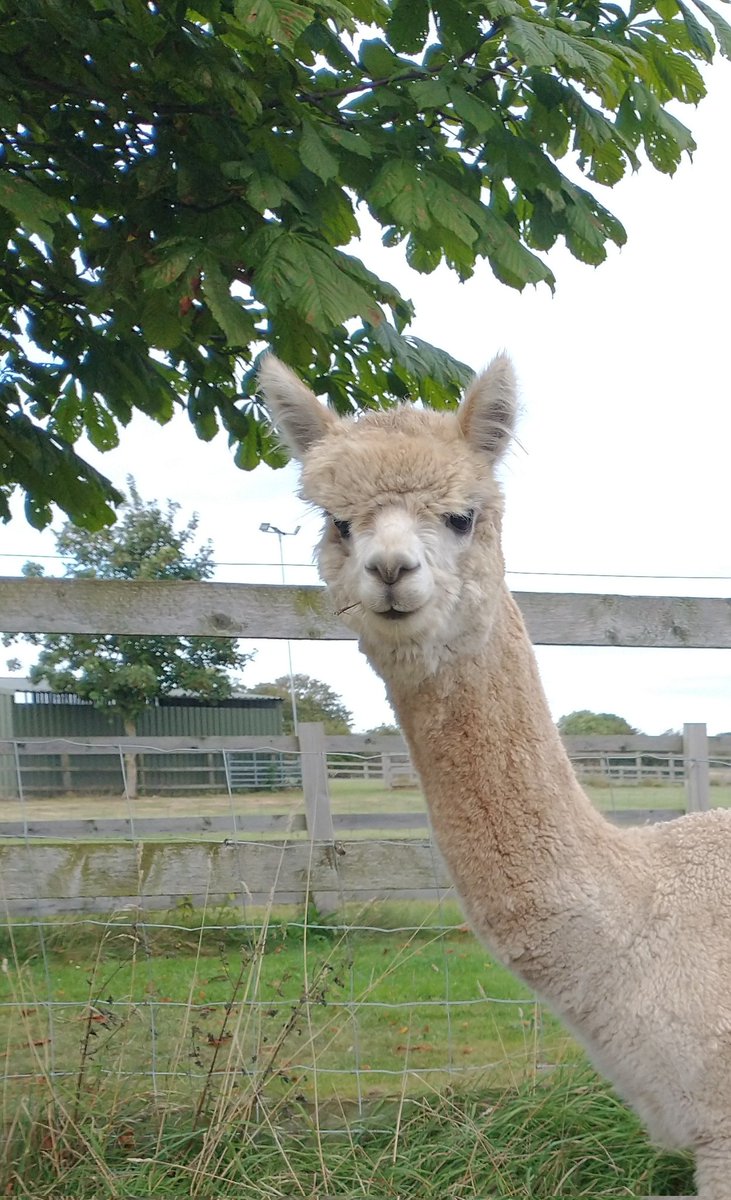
x,y
392,566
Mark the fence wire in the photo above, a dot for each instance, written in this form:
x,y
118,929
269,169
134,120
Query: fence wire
x,y
324,983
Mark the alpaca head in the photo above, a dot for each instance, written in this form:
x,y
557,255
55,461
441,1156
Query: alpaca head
x,y
411,545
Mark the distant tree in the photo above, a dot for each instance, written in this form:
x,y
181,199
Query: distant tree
x,y
383,730
124,674
316,701
182,183
586,722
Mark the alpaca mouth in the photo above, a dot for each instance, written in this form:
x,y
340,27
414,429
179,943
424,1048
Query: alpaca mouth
x,y
396,614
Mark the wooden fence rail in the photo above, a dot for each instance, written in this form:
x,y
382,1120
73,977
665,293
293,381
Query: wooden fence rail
x,y
276,826
276,611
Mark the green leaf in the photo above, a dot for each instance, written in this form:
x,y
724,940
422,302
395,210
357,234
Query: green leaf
x,y
540,44
665,138
473,110
508,8
449,206
721,28
160,319
700,38
266,192
68,416
544,225
429,93
296,275
530,43
457,24
315,154
397,192
51,472
247,455
229,314
675,75
32,208
379,59
281,20
421,257
352,142
169,267
202,404
511,261
423,361
609,163
408,26
100,425
334,216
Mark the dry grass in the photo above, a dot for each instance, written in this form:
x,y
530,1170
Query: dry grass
x,y
235,1098
347,796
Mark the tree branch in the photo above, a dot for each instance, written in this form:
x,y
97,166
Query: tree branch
x,y
407,76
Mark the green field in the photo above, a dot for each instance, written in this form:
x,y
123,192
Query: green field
x,y
368,1005
296,1059
379,1054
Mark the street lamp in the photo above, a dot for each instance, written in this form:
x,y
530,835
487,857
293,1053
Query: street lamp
x,y
266,527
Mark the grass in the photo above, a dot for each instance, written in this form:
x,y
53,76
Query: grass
x,y
194,1056
568,1137
372,1008
347,796
190,1054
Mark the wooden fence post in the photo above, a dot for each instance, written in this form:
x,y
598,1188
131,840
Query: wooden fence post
x,y
697,775
318,812
387,770
67,785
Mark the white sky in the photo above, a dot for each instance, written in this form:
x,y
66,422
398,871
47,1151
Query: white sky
x,y
626,437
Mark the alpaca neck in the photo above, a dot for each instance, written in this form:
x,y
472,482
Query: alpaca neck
x,y
520,838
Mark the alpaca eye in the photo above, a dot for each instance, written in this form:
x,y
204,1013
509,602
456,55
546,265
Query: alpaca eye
x,y
343,527
460,522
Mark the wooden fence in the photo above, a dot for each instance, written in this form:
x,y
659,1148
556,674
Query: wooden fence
x,y
215,765
279,858
275,611
690,758
102,875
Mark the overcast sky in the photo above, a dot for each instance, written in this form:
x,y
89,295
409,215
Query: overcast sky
x,y
625,444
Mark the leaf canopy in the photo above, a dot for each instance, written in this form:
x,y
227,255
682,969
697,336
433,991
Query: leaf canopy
x,y
314,700
180,185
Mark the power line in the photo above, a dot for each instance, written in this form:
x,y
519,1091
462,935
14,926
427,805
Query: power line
x,y
614,575
217,563
509,570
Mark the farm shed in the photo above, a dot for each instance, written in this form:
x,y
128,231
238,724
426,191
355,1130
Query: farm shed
x,y
29,711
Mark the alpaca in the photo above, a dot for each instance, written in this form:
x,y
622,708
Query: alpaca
x,y
624,933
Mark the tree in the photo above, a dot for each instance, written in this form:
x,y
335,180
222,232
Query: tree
x,y
316,701
125,674
384,730
584,722
180,183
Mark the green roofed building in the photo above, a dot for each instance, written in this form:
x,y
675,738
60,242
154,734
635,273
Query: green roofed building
x,y
29,712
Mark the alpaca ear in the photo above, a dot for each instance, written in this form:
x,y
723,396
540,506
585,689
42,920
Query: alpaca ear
x,y
296,412
487,413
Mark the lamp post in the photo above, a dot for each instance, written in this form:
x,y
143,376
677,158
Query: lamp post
x,y
266,527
